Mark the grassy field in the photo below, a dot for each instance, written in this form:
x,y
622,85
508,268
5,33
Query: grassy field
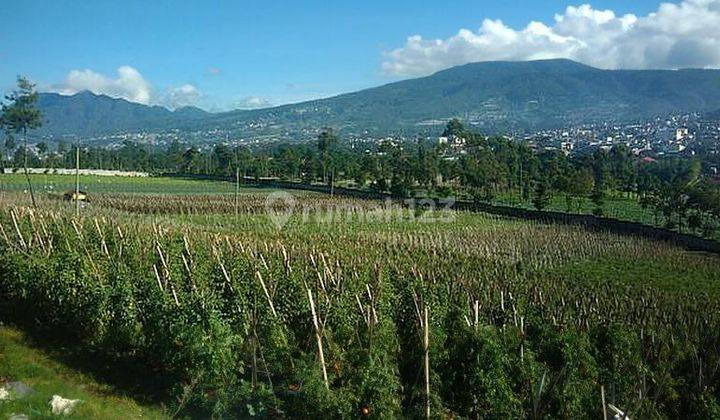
x,y
40,370
314,306
616,206
93,184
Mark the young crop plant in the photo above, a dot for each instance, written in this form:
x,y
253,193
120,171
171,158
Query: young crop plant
x,y
377,317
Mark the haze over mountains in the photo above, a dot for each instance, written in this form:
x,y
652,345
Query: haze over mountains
x,y
493,96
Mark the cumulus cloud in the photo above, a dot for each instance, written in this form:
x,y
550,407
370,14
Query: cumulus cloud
x,y
184,95
674,36
252,102
129,84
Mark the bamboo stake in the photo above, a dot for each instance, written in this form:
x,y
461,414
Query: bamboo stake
x,y
267,295
522,338
157,276
426,346
17,230
477,313
318,338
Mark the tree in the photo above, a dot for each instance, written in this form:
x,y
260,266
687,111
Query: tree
x,y
20,115
288,163
454,128
174,156
622,168
42,148
580,186
10,144
223,159
541,195
62,147
326,141
425,166
601,175
189,161
243,160
3,154
598,198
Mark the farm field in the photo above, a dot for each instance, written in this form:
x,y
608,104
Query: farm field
x,y
616,206
301,305
59,184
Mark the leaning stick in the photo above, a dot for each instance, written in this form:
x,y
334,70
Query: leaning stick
x,y
267,295
426,346
318,338
17,230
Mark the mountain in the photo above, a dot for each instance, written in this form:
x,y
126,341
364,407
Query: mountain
x,y
508,95
87,114
493,96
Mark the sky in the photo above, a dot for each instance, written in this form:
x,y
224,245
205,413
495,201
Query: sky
x,y
222,55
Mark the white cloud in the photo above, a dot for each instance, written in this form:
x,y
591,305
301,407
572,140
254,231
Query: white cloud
x,y
252,102
675,36
184,95
129,84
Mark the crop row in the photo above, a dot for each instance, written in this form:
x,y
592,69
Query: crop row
x,y
473,317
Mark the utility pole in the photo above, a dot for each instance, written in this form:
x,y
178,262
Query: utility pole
x,y
237,174
25,164
77,179
237,188
521,179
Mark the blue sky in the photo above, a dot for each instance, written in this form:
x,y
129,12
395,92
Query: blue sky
x,y
227,54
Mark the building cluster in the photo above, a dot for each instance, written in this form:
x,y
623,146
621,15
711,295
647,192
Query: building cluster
x,y
683,135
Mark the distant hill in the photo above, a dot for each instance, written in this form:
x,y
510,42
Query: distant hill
x,y
87,114
494,96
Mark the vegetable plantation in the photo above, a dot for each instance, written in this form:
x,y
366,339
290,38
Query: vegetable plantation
x,y
374,312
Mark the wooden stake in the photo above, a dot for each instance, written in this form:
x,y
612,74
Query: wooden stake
x,y
267,295
254,346
426,345
319,339
602,396
477,313
23,244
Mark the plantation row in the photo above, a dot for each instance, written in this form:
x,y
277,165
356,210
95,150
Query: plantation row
x,y
258,203
476,317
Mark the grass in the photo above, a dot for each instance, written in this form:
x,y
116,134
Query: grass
x,y
58,184
19,361
616,206
666,273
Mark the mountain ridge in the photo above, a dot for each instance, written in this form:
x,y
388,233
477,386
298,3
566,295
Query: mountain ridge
x,y
493,96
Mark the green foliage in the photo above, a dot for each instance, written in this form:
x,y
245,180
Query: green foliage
x,y
19,113
541,195
525,319
479,376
